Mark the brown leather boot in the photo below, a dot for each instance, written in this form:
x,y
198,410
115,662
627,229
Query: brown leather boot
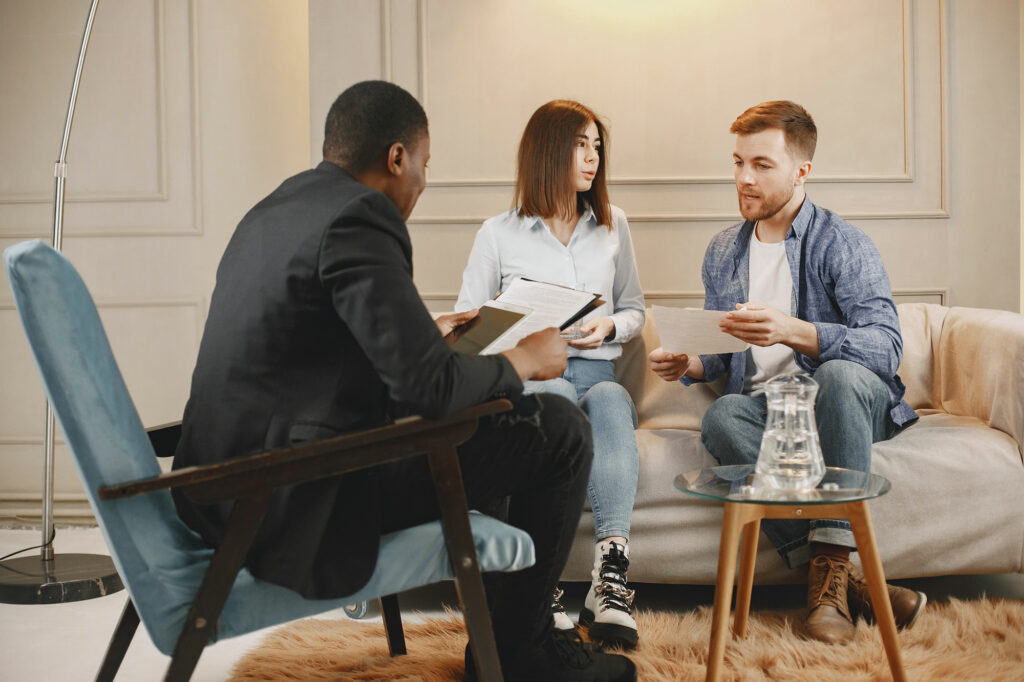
x,y
828,616
907,605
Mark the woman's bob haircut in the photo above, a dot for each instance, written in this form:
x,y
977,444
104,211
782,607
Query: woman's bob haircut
x,y
544,176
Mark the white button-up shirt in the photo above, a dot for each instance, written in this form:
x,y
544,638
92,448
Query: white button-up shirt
x,y
597,259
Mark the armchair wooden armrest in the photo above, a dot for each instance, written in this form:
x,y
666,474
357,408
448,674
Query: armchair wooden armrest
x,y
257,474
250,481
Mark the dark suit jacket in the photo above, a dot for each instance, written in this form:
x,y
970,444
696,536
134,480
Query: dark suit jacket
x,y
315,329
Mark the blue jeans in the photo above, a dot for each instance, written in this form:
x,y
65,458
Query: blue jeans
x,y
613,476
852,412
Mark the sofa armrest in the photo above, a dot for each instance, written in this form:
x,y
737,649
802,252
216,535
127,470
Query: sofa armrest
x,y
981,368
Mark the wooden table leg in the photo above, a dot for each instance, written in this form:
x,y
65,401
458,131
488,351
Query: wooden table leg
x,y
863,532
727,549
748,553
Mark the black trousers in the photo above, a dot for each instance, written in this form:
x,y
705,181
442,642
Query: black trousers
x,y
538,456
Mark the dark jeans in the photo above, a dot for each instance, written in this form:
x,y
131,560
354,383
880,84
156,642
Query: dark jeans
x,y
538,455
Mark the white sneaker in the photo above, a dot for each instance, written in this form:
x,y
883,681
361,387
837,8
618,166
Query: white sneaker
x,y
561,618
607,610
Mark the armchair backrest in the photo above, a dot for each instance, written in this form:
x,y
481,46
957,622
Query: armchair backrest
x,y
160,560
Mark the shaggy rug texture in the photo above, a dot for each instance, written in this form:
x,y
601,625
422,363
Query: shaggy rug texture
x,y
959,640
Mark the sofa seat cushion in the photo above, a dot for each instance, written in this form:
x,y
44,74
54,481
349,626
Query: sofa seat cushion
x,y
957,499
674,536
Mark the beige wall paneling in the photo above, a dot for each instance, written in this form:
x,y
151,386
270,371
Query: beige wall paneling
x,y
189,111
670,77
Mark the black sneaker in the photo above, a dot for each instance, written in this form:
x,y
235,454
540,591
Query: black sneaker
x,y
564,657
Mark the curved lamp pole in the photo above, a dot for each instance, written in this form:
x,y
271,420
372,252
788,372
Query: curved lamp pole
x,y
68,577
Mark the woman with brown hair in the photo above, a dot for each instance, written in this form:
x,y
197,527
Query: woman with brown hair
x,y
563,230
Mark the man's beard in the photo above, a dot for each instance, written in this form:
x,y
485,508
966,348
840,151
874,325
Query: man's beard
x,y
770,205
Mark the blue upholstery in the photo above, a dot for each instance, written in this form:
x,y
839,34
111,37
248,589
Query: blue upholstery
x,y
160,559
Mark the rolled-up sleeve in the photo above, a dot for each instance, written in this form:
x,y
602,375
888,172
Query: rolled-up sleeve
x,y
870,335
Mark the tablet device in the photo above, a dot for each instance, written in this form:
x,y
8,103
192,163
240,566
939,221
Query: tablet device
x,y
488,326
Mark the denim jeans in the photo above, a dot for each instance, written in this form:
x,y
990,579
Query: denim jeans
x,y
852,412
613,476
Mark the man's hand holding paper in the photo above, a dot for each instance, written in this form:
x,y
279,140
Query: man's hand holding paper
x,y
694,331
687,333
762,325
671,367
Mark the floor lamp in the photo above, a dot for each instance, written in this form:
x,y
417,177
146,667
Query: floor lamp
x,y
55,578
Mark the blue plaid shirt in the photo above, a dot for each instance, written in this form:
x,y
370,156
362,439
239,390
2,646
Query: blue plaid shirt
x,y
839,285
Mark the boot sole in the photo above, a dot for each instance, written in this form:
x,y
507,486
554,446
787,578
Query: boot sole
x,y
608,632
915,613
869,616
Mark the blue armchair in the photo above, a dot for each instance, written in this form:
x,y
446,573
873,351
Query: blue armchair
x,y
186,593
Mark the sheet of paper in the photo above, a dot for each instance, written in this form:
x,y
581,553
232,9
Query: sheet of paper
x,y
694,331
552,305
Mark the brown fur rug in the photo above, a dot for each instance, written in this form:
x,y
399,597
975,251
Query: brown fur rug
x,y
955,641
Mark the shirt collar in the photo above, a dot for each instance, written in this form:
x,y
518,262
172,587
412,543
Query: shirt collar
x,y
803,218
588,215
531,221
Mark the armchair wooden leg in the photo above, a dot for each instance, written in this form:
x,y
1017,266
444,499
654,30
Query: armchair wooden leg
x,y
392,616
246,516
451,497
122,637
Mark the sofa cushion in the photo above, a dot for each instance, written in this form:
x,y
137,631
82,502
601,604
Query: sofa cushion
x,y
660,404
981,368
921,327
955,507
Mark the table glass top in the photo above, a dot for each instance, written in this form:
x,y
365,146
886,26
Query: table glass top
x,y
739,483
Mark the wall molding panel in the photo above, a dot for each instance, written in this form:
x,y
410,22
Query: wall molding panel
x,y
908,195
176,152
886,82
445,301
166,322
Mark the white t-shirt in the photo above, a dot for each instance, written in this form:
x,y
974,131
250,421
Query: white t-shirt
x,y
771,283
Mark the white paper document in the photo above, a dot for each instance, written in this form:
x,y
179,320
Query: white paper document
x,y
550,306
693,331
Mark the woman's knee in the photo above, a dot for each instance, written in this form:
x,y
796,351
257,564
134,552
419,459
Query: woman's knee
x,y
608,398
556,386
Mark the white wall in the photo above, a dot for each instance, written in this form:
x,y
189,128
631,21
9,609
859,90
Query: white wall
x,y
915,102
188,113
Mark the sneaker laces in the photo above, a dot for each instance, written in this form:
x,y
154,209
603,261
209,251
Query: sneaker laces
x,y
570,649
612,590
556,601
829,587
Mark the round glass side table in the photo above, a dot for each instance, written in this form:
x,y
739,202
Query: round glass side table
x,y
842,494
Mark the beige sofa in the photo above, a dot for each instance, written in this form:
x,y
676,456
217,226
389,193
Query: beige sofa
x,y
957,499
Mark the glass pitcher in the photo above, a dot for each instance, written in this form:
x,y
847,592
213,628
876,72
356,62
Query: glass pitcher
x,y
790,456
